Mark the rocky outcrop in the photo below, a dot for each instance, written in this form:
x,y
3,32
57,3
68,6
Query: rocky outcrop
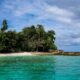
x,y
57,52
61,52
72,53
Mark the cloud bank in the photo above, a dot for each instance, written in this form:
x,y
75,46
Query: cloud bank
x,y
59,15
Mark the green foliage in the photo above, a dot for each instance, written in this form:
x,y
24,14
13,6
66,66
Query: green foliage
x,y
4,26
29,39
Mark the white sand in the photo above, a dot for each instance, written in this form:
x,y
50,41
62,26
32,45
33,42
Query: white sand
x,y
17,54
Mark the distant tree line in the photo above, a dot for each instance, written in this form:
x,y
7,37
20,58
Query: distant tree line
x,y
29,39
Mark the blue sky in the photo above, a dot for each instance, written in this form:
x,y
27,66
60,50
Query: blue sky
x,y
62,16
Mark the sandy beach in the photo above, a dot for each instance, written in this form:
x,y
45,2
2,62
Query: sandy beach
x,y
25,54
17,54
39,53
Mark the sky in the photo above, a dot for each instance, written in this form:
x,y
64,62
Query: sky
x,y
62,16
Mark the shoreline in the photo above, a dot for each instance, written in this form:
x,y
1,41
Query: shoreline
x,y
39,53
25,54
16,54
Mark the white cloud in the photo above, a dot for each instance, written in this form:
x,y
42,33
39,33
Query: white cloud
x,y
56,13
59,11
76,40
23,10
60,14
41,9
18,7
63,19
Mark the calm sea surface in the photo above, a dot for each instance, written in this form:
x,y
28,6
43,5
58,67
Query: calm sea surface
x,y
40,68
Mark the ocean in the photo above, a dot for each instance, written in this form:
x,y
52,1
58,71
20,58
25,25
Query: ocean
x,y
40,68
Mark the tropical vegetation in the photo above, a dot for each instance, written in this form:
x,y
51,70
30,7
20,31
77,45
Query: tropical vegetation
x,y
33,38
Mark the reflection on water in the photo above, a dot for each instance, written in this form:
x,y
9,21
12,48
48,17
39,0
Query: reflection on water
x,y
27,68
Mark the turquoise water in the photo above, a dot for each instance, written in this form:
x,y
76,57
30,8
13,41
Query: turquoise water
x,y
40,68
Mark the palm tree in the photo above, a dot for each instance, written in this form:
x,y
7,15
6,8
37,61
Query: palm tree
x,y
4,26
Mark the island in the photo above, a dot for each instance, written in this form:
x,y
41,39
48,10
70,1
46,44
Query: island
x,y
32,40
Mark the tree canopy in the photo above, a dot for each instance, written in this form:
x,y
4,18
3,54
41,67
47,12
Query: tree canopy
x,y
33,38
